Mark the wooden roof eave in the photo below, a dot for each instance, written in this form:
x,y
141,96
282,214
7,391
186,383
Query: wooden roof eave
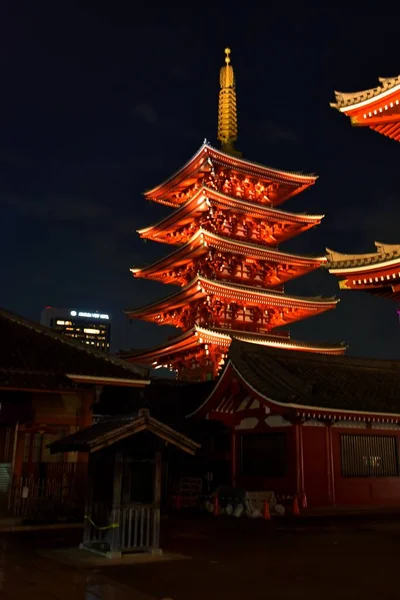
x,y
386,255
190,339
112,381
67,341
206,239
189,292
148,423
352,101
212,401
217,198
255,169
364,269
186,340
144,422
375,121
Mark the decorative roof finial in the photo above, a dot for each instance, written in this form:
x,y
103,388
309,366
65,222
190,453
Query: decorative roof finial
x,y
227,112
227,57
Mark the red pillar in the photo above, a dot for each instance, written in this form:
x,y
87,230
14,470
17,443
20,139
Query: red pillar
x,y
30,454
233,456
298,429
330,464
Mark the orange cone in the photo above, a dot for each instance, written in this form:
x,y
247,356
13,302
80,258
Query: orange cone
x,y
295,506
303,500
266,512
216,507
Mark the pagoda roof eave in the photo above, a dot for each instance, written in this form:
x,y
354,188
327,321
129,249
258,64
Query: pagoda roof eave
x,y
232,290
198,335
241,164
242,205
237,246
387,255
384,264
349,101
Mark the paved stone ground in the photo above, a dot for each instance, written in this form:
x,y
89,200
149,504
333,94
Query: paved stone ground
x,y
231,559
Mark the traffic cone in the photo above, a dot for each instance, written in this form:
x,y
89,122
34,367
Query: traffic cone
x,y
295,506
304,500
266,512
216,507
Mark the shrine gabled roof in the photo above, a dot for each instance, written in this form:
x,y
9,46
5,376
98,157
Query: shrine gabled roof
x,y
223,338
201,286
313,385
348,101
34,357
204,239
219,199
206,151
169,400
111,431
386,255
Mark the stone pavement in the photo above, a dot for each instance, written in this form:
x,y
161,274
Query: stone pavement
x,y
231,559
26,575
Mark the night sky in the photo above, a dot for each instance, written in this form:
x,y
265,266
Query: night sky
x,y
103,100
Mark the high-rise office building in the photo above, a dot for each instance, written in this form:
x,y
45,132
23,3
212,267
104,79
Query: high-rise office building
x,y
91,328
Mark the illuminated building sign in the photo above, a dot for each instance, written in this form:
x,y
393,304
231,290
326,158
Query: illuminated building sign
x,y
89,315
90,330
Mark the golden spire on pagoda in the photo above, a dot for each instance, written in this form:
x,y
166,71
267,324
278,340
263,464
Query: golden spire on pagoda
x,y
227,113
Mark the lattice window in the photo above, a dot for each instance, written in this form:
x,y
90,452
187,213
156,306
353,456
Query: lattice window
x,y
369,456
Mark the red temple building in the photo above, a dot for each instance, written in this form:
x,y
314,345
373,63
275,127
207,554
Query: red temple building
x,y
225,230
324,428
377,108
378,272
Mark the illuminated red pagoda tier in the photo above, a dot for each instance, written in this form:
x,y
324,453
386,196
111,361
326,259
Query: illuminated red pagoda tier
x,y
226,228
377,273
377,108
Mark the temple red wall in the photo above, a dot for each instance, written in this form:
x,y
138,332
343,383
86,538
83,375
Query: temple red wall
x,y
59,410
315,461
363,490
282,485
324,483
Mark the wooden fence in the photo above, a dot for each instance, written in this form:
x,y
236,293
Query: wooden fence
x,y
58,496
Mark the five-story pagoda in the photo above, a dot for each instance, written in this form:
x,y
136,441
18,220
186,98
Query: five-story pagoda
x,y
225,230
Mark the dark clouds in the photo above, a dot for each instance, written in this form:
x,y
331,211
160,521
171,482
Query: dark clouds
x,y
100,103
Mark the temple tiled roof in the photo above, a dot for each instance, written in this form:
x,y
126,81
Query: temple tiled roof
x,y
201,286
168,400
239,204
223,337
109,432
197,246
35,357
384,253
207,151
299,379
349,99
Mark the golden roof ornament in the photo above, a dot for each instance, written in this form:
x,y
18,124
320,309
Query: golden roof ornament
x,y
227,112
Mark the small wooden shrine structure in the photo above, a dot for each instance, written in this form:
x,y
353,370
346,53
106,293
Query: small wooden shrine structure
x,y
123,495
